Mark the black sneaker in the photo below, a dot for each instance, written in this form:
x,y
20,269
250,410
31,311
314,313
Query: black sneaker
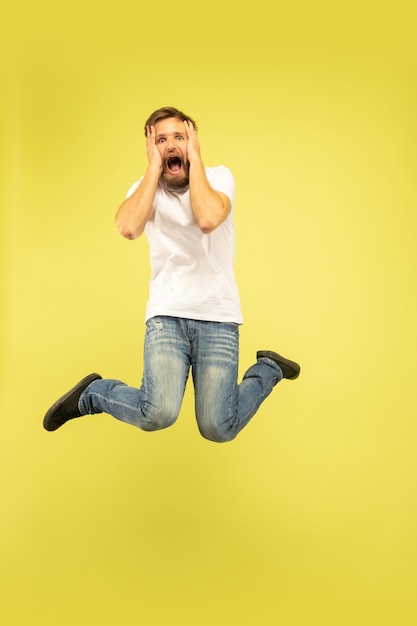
x,y
66,408
290,369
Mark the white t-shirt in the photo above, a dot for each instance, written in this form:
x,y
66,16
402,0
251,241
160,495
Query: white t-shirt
x,y
192,273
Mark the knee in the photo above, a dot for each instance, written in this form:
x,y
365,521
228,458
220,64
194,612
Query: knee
x,y
216,433
157,418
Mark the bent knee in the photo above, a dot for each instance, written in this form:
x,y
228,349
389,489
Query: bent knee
x,y
158,419
217,434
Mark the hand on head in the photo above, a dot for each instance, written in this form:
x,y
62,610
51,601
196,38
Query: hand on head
x,y
193,145
154,156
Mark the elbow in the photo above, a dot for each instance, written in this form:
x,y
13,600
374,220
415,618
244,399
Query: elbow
x,y
210,220
128,235
127,232
206,226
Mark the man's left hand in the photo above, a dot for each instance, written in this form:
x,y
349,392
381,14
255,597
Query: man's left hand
x,y
193,145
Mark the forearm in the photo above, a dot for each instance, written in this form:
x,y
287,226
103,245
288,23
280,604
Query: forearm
x,y
209,206
135,211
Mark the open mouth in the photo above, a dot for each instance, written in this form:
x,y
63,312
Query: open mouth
x,y
174,164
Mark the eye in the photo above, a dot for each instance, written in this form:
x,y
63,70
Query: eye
x,y
161,140
180,137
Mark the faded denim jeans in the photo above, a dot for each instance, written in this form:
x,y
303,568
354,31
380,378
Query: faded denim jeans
x,y
173,346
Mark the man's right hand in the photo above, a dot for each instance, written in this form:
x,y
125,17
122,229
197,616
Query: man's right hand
x,y
154,156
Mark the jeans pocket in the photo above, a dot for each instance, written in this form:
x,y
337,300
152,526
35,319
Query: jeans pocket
x,y
155,323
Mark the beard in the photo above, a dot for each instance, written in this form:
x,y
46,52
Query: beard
x,y
175,173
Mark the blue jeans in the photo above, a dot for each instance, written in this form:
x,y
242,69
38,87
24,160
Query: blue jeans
x,y
173,345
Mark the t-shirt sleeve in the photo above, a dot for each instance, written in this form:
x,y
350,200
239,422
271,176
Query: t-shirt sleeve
x,y
221,179
133,188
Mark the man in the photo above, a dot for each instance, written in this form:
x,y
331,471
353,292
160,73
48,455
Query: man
x,y
193,312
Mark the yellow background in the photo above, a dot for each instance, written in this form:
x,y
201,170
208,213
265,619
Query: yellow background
x,y
309,517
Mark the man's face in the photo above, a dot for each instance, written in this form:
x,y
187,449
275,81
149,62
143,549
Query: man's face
x,y
171,141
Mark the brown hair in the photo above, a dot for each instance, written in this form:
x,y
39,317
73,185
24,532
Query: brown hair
x,y
164,113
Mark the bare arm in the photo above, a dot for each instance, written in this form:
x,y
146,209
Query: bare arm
x,y
135,211
210,207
